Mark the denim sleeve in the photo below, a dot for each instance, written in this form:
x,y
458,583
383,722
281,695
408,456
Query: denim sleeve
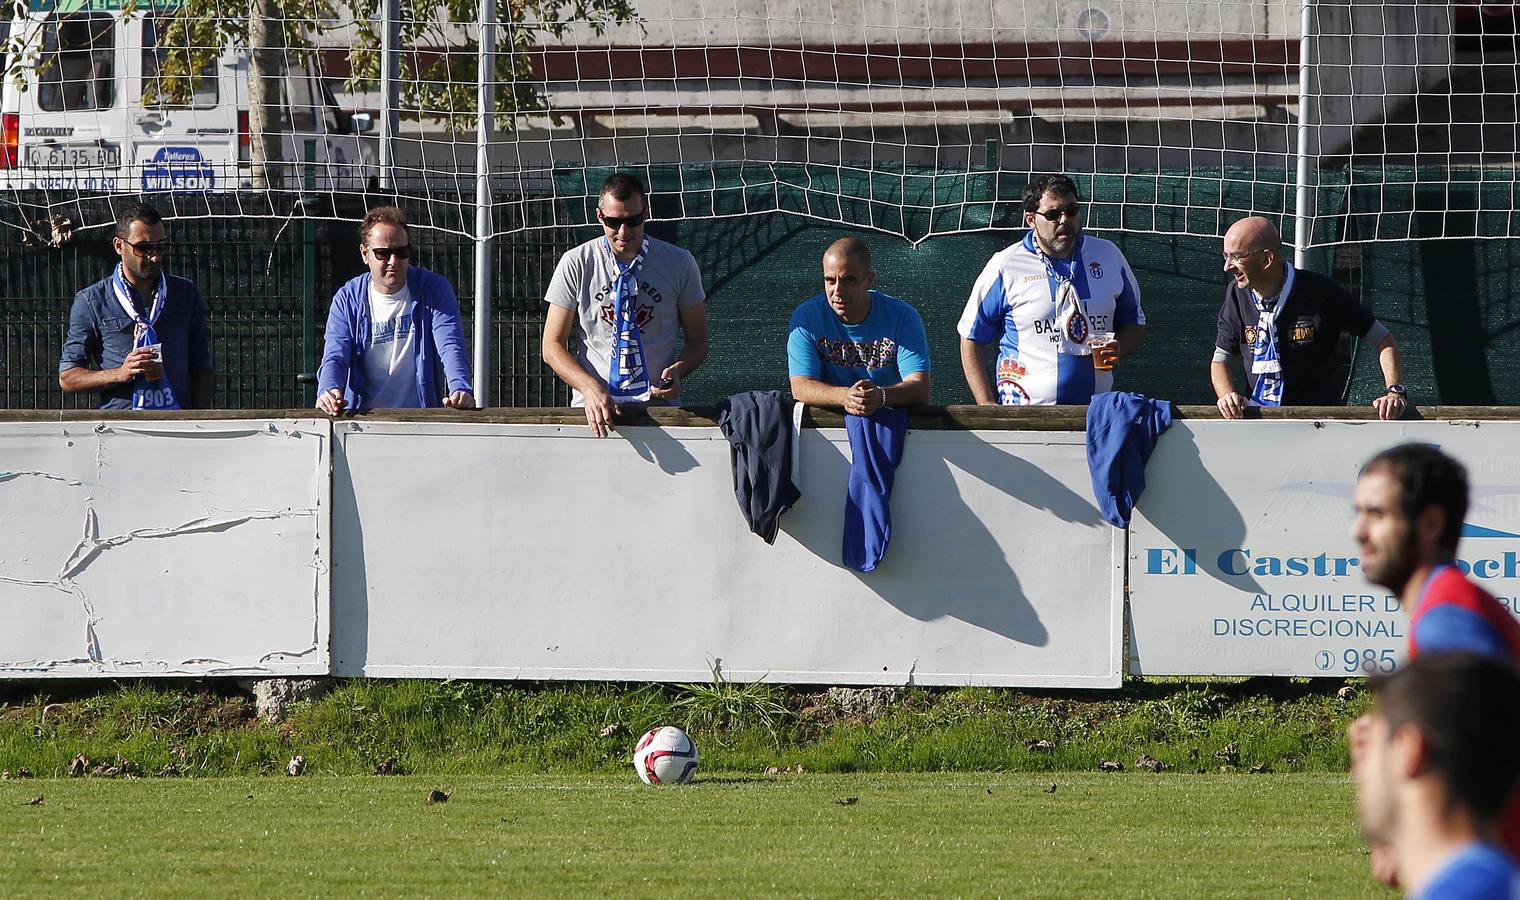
x,y
81,347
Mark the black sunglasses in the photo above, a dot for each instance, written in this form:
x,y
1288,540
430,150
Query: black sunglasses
x,y
616,222
148,248
384,253
1054,215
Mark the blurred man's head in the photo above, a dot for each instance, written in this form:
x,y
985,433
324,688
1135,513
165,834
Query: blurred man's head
x,y
1444,738
1410,501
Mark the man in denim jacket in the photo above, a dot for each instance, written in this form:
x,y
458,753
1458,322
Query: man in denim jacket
x,y
139,336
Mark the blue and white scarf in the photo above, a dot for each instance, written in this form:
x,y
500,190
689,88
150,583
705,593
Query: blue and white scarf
x,y
1265,364
627,374
1075,326
145,394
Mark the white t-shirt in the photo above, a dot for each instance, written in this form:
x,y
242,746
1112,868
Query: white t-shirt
x,y
390,362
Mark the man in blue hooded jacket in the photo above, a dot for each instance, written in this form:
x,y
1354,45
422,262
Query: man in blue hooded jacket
x,y
394,338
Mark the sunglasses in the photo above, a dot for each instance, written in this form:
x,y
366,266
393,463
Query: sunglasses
x,y
1071,210
148,248
616,222
384,253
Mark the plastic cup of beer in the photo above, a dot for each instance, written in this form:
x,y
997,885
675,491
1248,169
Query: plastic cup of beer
x,y
1104,350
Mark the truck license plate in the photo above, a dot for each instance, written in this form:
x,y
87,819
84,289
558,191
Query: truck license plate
x,y
73,156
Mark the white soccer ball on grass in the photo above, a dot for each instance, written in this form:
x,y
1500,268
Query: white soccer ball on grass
x,y
665,755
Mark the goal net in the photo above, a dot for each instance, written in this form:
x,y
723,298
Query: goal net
x,y
912,117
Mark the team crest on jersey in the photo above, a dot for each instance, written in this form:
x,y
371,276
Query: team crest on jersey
x,y
1010,369
1250,335
1094,269
1009,391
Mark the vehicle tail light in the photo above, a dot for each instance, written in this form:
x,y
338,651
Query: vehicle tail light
x,y
10,140
244,150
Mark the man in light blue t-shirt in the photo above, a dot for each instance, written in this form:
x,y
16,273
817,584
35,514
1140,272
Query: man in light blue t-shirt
x,y
855,348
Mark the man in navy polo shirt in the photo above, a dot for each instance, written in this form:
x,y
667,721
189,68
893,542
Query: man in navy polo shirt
x,y
1287,323
139,336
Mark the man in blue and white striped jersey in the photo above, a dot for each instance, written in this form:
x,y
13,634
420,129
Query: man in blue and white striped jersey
x,y
1063,307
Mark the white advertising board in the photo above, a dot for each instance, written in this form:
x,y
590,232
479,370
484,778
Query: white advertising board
x,y
538,551
1240,555
164,548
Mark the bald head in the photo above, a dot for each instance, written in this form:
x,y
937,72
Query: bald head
x,y
1253,256
847,279
850,248
1253,233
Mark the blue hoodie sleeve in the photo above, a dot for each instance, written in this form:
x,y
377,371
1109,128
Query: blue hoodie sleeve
x,y
448,335
337,346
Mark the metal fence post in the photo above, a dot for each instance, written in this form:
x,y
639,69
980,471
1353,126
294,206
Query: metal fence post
x,y
1303,225
309,280
484,283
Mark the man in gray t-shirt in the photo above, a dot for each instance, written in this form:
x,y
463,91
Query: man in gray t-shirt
x,y
656,289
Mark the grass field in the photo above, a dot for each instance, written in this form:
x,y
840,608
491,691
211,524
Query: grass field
x,y
474,728
957,834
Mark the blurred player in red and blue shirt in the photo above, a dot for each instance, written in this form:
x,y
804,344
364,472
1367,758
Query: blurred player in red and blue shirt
x,y
1410,503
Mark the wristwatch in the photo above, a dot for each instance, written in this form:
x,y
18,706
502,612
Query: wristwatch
x,y
1397,390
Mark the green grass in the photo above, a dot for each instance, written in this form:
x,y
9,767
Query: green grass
x,y
1128,835
482,728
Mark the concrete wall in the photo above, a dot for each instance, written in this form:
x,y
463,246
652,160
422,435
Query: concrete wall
x,y
146,547
520,547
699,22
523,551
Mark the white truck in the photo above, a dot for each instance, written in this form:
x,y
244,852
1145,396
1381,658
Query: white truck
x,y
80,110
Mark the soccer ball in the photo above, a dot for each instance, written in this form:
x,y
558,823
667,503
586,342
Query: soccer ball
x,y
665,755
